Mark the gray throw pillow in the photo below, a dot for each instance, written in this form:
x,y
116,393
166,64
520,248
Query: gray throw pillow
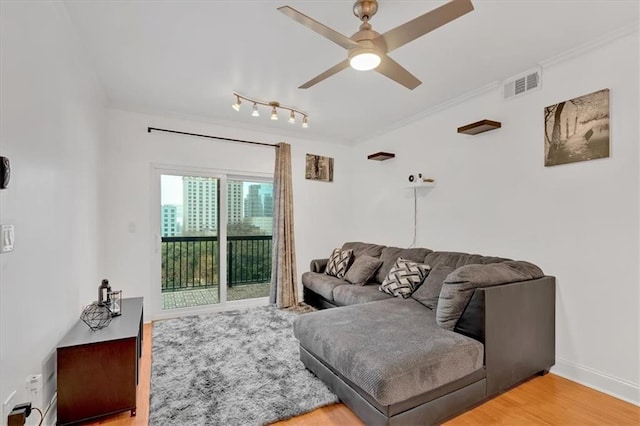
x,y
429,292
338,263
404,277
363,268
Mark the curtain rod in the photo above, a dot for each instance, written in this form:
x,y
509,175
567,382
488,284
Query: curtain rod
x,y
149,129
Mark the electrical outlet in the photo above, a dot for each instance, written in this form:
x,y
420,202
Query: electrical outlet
x,y
7,404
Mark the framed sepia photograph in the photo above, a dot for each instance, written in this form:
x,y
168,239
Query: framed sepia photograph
x,y
319,168
577,129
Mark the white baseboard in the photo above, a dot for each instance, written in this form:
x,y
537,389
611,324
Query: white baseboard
x,y
614,386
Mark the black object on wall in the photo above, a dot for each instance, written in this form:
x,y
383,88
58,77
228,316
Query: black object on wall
x,y
5,172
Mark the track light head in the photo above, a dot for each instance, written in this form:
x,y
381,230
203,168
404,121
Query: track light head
x,y
305,122
274,111
236,106
255,112
292,118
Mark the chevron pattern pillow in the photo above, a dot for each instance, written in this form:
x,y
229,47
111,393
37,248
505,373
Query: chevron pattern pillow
x,y
404,277
338,263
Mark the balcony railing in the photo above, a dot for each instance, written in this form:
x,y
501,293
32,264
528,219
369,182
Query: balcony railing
x,y
193,262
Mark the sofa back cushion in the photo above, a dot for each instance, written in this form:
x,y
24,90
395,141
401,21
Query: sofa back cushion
x,y
461,284
456,260
391,254
363,249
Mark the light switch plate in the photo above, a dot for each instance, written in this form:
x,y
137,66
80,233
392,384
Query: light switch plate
x,y
6,239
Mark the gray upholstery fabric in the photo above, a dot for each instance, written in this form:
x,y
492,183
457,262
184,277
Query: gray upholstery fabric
x,y
363,249
429,292
457,260
322,284
461,283
391,254
362,269
353,294
392,349
318,265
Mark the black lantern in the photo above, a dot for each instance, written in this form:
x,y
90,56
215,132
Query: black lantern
x,y
103,292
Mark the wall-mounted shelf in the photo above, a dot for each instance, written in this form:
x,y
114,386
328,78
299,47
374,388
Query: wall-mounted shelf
x,y
381,156
425,183
479,127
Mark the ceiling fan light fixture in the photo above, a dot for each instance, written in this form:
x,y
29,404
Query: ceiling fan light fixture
x,y
255,112
364,59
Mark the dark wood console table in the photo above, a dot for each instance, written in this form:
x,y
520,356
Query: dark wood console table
x,y
98,370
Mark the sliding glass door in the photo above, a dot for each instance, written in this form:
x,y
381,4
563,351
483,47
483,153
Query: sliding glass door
x,y
249,238
206,261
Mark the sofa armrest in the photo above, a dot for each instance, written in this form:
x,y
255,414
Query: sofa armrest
x,y
318,265
519,331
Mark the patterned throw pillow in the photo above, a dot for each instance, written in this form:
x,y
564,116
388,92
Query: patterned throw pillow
x,y
404,277
338,263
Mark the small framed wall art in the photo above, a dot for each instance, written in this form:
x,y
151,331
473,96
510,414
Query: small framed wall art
x,y
319,168
577,129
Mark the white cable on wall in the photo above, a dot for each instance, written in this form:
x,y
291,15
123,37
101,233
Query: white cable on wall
x,y
415,216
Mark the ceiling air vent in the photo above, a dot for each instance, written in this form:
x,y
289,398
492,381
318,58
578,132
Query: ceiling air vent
x,y
522,83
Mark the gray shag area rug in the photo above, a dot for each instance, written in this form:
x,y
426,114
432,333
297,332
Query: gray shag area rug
x,y
231,368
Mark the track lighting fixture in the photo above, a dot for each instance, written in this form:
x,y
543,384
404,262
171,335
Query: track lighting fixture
x,y
275,106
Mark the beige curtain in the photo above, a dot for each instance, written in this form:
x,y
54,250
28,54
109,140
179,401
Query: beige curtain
x,y
284,285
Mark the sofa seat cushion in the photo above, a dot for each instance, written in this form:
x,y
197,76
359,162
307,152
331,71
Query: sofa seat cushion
x,y
392,349
391,254
322,284
350,295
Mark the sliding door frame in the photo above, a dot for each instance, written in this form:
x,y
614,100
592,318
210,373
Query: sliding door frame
x,y
155,289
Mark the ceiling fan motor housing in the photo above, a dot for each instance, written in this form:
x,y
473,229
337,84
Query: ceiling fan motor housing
x,y
365,9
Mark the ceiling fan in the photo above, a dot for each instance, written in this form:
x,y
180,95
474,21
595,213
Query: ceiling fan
x,y
368,49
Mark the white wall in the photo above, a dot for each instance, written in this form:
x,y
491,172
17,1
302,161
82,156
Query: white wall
x,y
51,128
131,151
494,196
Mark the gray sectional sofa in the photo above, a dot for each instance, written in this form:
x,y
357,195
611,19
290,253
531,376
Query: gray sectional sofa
x,y
476,327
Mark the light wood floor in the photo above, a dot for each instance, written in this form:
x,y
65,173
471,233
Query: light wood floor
x,y
548,400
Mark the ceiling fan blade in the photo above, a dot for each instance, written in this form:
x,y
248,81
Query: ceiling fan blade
x,y
328,73
409,31
390,68
321,29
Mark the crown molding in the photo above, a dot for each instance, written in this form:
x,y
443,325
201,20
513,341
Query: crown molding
x,y
226,123
430,111
590,45
564,56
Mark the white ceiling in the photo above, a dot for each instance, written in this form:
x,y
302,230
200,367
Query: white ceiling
x,y
187,57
